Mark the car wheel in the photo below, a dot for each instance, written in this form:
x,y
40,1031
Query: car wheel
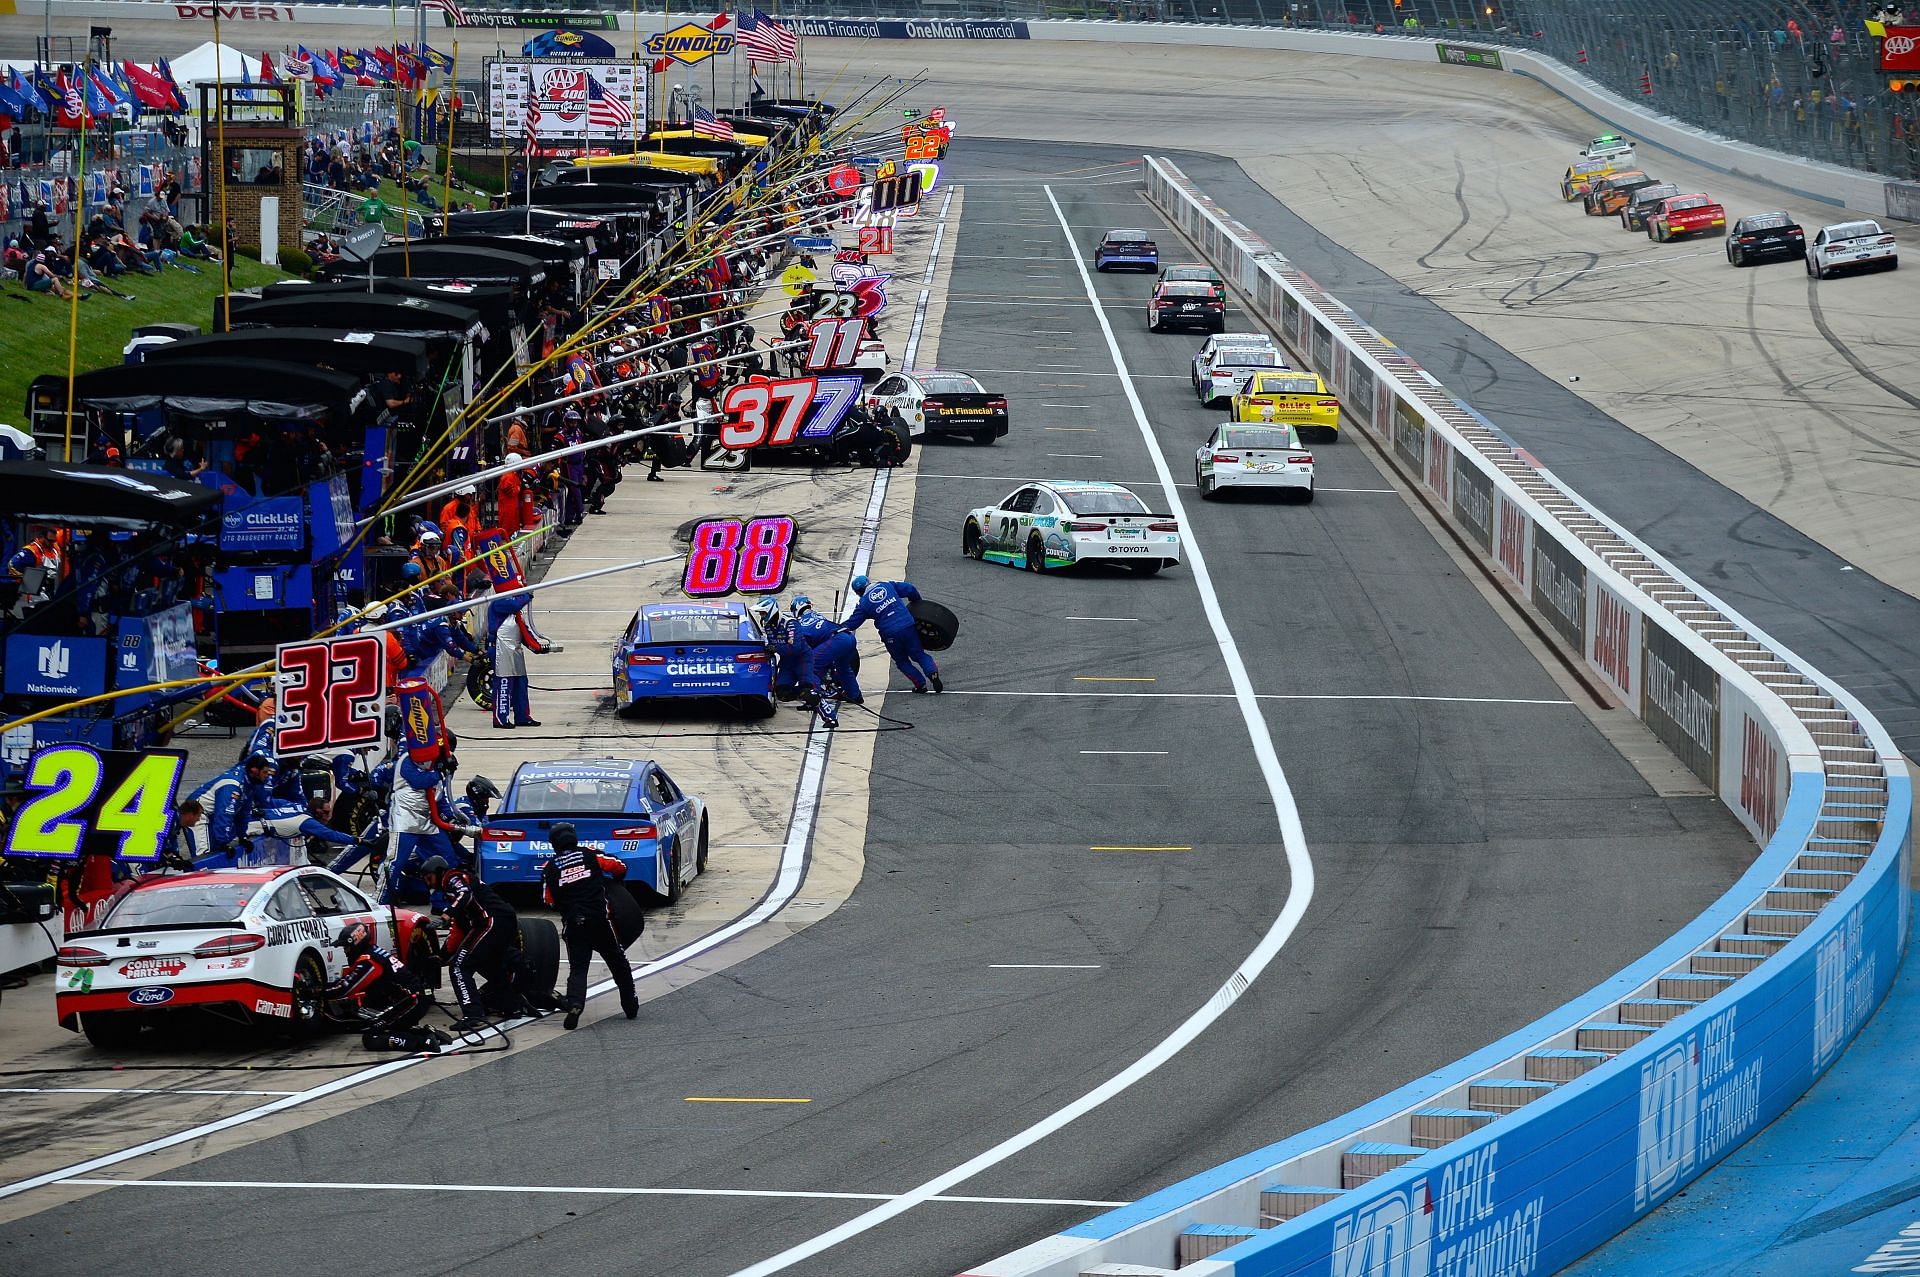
x,y
671,896
1200,481
309,985
113,1030
1036,554
423,957
762,706
1147,567
629,915
1307,498
700,855
1809,263
540,950
970,543
985,437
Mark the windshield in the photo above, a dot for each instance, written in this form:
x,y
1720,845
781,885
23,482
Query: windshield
x,y
1202,273
189,904
571,793
1689,201
1180,288
694,627
951,384
1259,437
1127,237
1854,230
1251,357
1654,194
1270,384
1768,222
1105,501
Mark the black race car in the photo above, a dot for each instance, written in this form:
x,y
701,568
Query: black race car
x,y
1643,201
1766,237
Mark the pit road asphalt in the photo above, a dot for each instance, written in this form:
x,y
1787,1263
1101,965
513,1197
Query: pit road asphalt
x,y
1480,859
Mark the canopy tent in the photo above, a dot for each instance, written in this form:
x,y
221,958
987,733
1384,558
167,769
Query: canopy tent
x,y
523,221
449,262
366,354
210,62
212,387
101,496
352,306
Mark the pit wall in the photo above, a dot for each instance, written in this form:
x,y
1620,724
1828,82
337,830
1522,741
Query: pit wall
x,y
1630,1091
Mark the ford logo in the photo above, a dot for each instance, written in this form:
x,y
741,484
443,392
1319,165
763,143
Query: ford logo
x,y
151,995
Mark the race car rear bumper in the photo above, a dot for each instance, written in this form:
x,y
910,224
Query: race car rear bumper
x,y
942,424
249,995
1301,479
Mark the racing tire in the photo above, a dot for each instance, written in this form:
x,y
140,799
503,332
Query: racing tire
x,y
761,706
700,851
935,623
112,1030
671,896
1036,555
629,919
1218,326
1147,567
971,543
480,681
423,958
1208,491
540,950
309,1007
985,438
1735,257
1306,498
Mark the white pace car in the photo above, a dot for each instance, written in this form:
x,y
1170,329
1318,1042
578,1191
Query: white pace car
x,y
1063,522
254,944
1253,455
1227,360
1862,245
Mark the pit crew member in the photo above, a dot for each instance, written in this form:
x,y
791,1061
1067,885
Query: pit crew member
x,y
574,881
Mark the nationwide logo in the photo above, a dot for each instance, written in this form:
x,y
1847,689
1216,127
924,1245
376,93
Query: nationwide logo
x,y
55,660
690,44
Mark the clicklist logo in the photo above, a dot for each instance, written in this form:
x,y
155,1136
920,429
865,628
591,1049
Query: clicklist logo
x,y
55,660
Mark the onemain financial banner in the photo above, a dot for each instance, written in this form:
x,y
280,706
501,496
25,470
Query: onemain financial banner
x,y
897,29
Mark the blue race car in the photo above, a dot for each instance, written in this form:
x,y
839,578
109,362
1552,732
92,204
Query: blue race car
x,y
681,651
628,808
1126,248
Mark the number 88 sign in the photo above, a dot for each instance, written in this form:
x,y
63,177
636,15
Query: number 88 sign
x,y
729,555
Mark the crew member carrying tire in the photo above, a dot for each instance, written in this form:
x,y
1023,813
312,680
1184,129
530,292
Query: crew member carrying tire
x,y
886,604
574,881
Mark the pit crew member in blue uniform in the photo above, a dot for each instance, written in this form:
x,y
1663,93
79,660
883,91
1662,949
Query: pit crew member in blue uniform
x,y
885,603
788,672
830,653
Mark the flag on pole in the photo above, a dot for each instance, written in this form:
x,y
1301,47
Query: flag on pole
x,y
533,125
707,124
448,7
765,40
605,110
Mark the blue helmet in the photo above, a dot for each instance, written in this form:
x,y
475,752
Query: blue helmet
x,y
411,570
766,608
859,585
801,603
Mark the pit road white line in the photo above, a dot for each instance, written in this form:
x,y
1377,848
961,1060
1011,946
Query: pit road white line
x,y
569,1190
1292,837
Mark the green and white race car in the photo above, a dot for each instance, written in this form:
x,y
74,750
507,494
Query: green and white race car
x,y
1058,523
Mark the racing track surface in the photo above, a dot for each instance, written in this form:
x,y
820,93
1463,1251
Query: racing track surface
x,y
1480,857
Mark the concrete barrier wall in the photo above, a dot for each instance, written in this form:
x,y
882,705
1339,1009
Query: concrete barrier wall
x,y
1794,758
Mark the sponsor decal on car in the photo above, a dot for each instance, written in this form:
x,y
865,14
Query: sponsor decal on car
x,y
701,667
280,933
266,1006
150,995
152,968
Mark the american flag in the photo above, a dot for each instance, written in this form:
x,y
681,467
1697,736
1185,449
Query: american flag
x,y
533,125
605,110
764,40
449,8
706,124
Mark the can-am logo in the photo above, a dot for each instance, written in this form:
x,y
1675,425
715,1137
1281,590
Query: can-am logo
x,y
565,91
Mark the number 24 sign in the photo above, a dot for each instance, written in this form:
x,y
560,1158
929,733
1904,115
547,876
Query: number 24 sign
x,y
86,801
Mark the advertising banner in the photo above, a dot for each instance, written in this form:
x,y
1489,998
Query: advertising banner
x,y
1560,590
911,29
1461,55
1439,467
1409,436
1512,546
582,101
1754,769
1680,702
252,525
1613,641
1900,51
56,665
578,21
1473,503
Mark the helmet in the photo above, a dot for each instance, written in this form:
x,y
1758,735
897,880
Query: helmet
x,y
514,458
432,867
801,603
766,608
859,584
356,938
564,836
467,490
480,788
428,531
411,571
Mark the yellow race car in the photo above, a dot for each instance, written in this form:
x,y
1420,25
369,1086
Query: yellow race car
x,y
1582,174
1300,399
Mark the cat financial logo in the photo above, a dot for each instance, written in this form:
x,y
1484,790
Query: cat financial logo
x,y
689,44
563,90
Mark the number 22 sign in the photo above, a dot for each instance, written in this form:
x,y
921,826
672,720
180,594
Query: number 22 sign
x,y
330,694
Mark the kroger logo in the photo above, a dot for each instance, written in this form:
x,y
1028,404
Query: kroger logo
x,y
151,995
55,660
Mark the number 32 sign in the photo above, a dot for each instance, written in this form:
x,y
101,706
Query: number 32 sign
x,y
331,694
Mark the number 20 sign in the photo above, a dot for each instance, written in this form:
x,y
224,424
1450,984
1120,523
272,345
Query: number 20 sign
x,y
330,693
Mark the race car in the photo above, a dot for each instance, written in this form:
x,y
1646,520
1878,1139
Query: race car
x,y
627,808
682,651
251,944
1186,305
1610,194
932,402
1192,273
1294,396
1608,146
1227,360
1059,523
1250,456
870,358
1126,248
1580,177
1862,245
1760,236
1679,216
1633,216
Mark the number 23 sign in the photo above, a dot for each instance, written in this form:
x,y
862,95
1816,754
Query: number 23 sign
x,y
331,694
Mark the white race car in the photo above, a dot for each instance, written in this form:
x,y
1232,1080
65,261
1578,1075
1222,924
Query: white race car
x,y
1859,245
1609,146
943,403
1226,360
1062,522
1248,455
870,359
254,944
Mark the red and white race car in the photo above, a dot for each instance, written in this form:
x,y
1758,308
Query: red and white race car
x,y
254,944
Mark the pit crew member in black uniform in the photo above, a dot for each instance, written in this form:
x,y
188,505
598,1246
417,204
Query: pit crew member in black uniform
x,y
574,881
